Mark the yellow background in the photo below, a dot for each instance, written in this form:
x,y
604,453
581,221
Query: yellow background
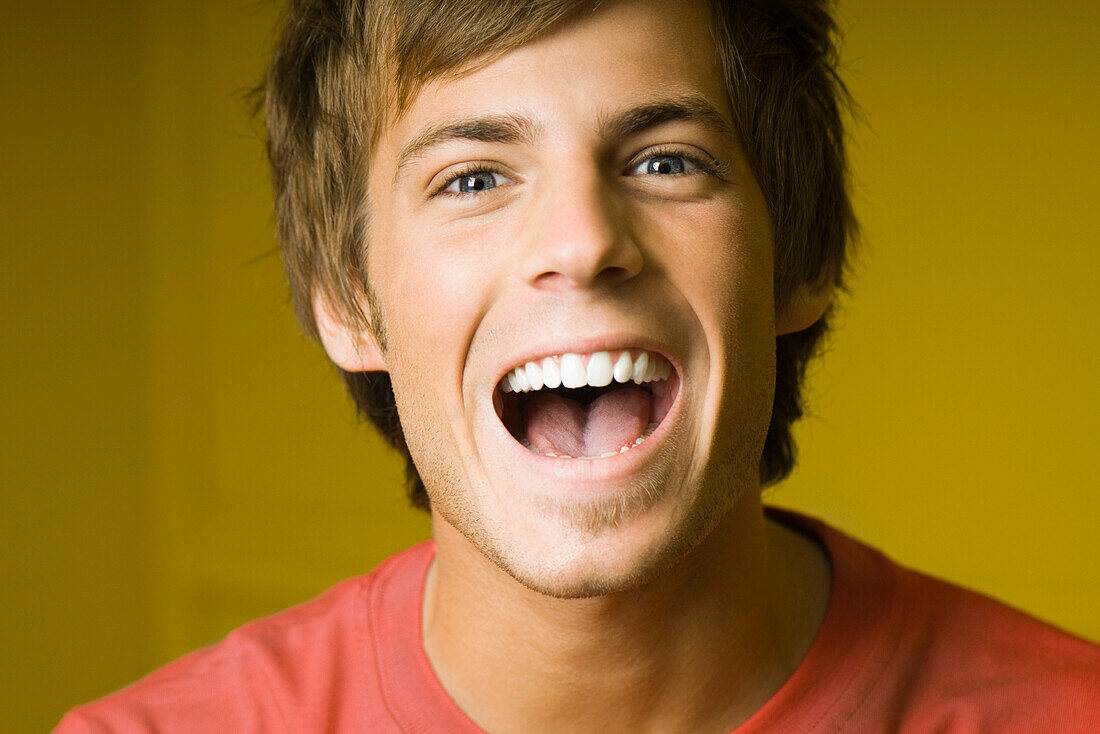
x,y
177,459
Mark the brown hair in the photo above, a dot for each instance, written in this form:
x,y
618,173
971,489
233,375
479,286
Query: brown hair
x,y
342,68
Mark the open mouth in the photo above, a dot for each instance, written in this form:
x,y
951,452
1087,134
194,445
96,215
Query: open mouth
x,y
587,406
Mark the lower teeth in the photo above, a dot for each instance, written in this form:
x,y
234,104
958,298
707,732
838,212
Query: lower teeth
x,y
622,450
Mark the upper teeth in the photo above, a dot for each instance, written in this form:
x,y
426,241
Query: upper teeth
x,y
579,370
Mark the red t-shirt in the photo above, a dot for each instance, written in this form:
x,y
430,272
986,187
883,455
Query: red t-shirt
x,y
898,652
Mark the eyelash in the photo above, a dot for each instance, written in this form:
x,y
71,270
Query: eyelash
x,y
468,169
703,166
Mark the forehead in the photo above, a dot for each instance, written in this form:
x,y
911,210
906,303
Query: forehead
x,y
624,54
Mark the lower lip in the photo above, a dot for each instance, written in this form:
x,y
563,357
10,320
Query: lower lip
x,y
598,470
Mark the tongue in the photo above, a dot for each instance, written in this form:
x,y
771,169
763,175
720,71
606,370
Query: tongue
x,y
566,427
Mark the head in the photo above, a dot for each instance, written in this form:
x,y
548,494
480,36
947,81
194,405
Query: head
x,y
488,153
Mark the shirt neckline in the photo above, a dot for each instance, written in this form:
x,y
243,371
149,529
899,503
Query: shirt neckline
x,y
860,632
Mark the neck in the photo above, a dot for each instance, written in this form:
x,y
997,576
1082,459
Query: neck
x,y
698,648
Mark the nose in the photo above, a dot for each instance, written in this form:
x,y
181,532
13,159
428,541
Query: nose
x,y
580,235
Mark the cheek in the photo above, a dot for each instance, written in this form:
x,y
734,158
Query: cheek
x,y
433,288
748,273
720,256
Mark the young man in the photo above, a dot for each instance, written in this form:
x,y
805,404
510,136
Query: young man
x,y
584,251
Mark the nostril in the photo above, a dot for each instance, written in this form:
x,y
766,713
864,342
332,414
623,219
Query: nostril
x,y
553,280
614,274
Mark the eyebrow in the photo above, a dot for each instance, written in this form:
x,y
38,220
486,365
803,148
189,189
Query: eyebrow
x,y
513,129
491,129
689,108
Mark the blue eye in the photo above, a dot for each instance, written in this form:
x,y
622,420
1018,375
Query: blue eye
x,y
665,165
472,183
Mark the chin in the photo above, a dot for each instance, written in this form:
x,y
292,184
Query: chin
x,y
613,543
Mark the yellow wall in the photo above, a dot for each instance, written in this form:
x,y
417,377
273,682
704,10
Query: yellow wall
x,y
959,408
178,460
74,465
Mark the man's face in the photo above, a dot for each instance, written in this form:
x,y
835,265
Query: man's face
x,y
577,198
